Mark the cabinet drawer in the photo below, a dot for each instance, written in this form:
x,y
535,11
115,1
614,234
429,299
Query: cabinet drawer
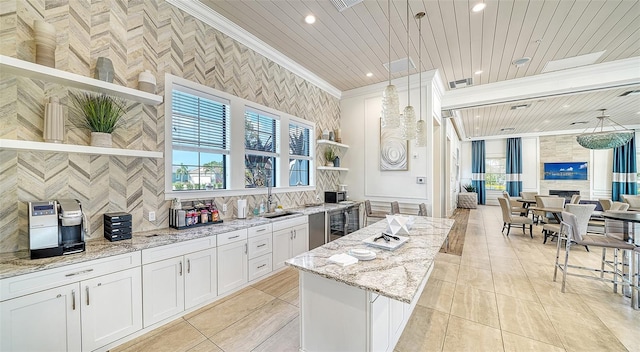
x,y
24,284
259,266
230,237
259,245
259,230
175,250
283,224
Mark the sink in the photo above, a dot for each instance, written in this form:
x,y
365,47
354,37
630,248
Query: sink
x,y
278,214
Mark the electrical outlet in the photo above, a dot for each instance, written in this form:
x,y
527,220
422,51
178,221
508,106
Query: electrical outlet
x,y
152,216
224,207
420,180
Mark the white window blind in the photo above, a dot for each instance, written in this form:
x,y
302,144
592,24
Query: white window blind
x,y
199,124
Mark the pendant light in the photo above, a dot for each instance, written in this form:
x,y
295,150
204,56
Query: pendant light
x,y
408,123
390,105
605,139
421,125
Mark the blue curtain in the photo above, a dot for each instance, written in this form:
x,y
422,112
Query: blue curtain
x,y
514,166
624,170
477,169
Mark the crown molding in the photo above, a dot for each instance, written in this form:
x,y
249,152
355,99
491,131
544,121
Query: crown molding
x,y
400,83
204,13
607,75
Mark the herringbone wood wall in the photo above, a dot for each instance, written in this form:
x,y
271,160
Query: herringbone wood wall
x,y
136,35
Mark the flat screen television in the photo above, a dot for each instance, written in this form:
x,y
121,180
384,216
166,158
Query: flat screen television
x,y
566,171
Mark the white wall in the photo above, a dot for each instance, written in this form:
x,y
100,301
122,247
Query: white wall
x,y
360,123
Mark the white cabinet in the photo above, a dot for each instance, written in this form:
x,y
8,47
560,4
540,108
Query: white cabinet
x,y
111,308
232,260
178,277
43,321
380,323
290,238
84,306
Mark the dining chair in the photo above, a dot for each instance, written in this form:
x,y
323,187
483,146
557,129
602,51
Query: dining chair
x,y
422,209
633,201
528,195
605,203
575,199
395,208
551,202
538,214
516,207
508,218
583,214
619,206
569,231
369,213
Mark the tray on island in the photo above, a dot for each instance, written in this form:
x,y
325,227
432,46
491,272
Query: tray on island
x,y
381,243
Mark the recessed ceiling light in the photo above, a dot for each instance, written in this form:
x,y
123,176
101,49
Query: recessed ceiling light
x,y
369,74
521,61
507,129
310,19
477,116
546,121
478,72
479,7
566,105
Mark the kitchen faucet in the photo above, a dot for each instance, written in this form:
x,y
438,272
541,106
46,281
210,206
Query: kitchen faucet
x,y
268,167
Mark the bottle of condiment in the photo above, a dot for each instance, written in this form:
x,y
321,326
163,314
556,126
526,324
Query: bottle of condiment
x,y
215,215
204,216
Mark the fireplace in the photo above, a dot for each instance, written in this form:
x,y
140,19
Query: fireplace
x,y
563,193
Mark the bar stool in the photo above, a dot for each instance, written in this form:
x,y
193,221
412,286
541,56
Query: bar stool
x,y
368,213
422,209
395,208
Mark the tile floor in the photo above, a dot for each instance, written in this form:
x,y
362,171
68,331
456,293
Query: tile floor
x,y
498,296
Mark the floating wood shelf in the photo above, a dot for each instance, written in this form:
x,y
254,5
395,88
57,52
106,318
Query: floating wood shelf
x,y
73,148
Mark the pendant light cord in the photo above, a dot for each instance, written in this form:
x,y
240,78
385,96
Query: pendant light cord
x,y
389,63
408,66
420,63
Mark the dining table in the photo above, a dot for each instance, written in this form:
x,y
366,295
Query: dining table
x,y
556,212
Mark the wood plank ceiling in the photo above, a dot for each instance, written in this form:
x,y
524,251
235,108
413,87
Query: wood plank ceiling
x,y
341,47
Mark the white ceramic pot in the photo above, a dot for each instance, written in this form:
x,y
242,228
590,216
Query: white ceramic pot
x,y
53,121
147,82
101,139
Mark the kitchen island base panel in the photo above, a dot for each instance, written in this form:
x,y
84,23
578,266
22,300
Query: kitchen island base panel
x,y
339,317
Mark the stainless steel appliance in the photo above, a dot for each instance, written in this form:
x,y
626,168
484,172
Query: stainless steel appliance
x,y
342,221
335,197
317,231
55,228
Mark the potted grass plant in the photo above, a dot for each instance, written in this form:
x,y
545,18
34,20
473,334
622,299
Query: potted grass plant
x,y
329,156
99,113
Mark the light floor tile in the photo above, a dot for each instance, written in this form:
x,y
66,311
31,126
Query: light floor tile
x,y
465,335
526,318
478,278
445,271
217,318
479,262
206,346
424,332
447,257
250,331
286,339
437,295
514,285
279,283
620,319
516,343
292,297
476,305
179,337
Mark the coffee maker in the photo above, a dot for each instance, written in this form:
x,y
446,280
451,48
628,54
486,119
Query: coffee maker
x,y
56,228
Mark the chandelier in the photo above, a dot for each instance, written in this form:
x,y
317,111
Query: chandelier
x,y
421,125
408,123
605,139
390,105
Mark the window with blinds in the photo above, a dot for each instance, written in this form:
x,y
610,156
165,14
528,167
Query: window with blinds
x,y
261,143
199,140
299,154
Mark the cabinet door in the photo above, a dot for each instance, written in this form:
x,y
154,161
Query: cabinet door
x,y
200,280
300,243
380,323
232,266
163,289
111,307
281,247
43,321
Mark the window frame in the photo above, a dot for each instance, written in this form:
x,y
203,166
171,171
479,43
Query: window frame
x,y
310,157
235,170
503,174
277,146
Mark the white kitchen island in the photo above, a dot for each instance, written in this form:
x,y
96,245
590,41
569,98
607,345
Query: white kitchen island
x,y
365,306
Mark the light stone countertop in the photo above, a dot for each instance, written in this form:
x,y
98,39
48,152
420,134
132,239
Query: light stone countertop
x,y
395,274
19,263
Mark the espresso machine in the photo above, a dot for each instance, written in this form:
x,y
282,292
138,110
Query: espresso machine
x,y
56,228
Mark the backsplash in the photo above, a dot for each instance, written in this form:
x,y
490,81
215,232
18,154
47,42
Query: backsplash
x,y
136,35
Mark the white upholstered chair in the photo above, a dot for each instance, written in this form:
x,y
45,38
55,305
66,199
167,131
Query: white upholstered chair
x,y
509,218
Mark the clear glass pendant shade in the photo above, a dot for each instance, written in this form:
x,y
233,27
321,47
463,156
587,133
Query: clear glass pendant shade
x,y
390,108
421,133
408,126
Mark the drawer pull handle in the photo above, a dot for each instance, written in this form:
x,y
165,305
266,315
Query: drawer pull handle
x,y
73,299
261,266
79,272
87,289
236,236
262,245
188,266
260,230
180,268
246,248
